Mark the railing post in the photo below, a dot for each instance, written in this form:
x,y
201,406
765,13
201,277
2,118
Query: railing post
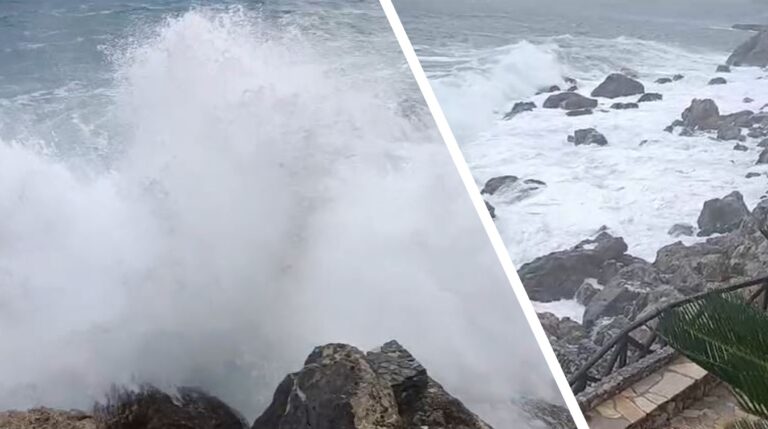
x,y
765,296
623,350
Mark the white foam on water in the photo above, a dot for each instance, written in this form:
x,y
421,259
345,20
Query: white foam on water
x,y
563,308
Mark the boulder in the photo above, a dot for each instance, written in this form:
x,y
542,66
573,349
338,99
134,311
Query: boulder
x,y
589,136
763,157
618,85
341,387
587,291
717,81
743,119
729,132
721,215
681,229
569,101
151,408
740,148
702,114
763,143
520,107
558,275
651,96
723,69
493,184
579,112
624,106
753,52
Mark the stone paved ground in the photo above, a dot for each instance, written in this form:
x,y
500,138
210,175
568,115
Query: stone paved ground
x,y
713,411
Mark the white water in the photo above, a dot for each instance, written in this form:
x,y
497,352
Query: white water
x,y
267,201
638,191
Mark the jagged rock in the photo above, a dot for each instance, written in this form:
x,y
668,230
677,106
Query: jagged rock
x,y
753,52
723,69
150,408
586,292
494,184
740,147
681,229
569,101
558,275
664,80
520,107
46,418
702,114
691,268
624,106
549,89
341,387
717,81
618,85
579,112
721,215
491,209
678,77
589,136
650,96
729,132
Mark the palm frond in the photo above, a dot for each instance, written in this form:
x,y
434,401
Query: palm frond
x,y
728,338
748,424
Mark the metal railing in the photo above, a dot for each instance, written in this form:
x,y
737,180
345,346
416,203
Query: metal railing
x,y
619,345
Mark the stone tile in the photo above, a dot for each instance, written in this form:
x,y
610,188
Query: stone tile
x,y
656,399
628,409
608,410
643,385
689,369
671,384
644,404
599,422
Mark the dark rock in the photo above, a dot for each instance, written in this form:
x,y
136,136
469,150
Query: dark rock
x,y
651,96
763,157
753,52
748,100
757,133
553,88
589,136
150,408
569,101
752,174
743,119
687,132
729,132
491,209
723,69
586,292
702,114
681,229
520,107
678,77
669,128
572,88
624,106
740,147
570,81
717,81
763,143
558,275
580,112
495,183
663,80
618,85
721,215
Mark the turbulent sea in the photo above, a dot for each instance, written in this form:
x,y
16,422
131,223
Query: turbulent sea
x,y
201,194
484,56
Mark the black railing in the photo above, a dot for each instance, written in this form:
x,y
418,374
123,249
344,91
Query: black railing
x,y
619,345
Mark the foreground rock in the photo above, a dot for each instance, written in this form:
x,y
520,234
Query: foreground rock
x,y
753,52
340,387
721,215
618,85
44,418
569,101
702,114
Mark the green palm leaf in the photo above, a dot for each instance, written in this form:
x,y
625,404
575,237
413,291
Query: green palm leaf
x,y
748,424
728,338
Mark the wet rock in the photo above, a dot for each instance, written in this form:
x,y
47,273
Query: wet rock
x,y
572,88
717,81
570,81
687,132
743,119
491,209
664,80
740,147
721,215
589,136
763,157
757,133
763,143
729,132
748,100
723,69
558,275
624,106
702,114
495,183
681,229
618,85
520,107
753,52
547,90
46,418
150,408
569,101
587,291
651,96
752,175
678,77
579,112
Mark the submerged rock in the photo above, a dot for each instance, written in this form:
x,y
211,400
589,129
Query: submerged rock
x,y
681,229
723,69
491,209
740,147
753,52
493,184
588,136
678,77
721,215
664,80
624,106
650,96
717,81
569,101
553,88
520,107
579,112
618,85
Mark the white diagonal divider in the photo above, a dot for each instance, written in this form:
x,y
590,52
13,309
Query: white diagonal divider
x,y
485,217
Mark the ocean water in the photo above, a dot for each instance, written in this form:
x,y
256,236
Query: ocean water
x,y
485,55
200,193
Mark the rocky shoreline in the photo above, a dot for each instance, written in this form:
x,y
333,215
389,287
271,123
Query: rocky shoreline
x,y
615,287
339,387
